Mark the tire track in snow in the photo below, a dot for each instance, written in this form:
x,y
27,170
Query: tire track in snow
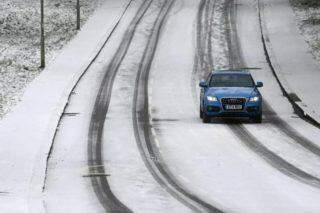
x,y
143,130
252,142
273,159
203,58
75,86
95,159
236,60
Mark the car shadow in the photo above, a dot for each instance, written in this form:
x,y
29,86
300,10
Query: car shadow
x,y
236,120
233,120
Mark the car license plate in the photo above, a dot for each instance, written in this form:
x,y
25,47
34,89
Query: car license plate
x,y
234,107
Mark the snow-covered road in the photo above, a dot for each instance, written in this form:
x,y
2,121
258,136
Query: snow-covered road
x,y
68,166
130,138
220,162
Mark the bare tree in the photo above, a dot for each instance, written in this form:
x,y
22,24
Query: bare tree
x,y
42,51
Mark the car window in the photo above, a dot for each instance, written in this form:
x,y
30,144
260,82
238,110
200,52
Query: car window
x,y
231,80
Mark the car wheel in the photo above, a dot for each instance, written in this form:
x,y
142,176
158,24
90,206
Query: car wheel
x,y
258,119
201,113
205,118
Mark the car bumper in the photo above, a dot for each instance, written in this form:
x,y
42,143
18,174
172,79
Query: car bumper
x,y
250,109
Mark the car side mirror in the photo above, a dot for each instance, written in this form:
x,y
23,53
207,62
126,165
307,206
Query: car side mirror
x,y
203,84
259,84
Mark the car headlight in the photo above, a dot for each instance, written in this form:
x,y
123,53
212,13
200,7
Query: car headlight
x,y
254,99
212,98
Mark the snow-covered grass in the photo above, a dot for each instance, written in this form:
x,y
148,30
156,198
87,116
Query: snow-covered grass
x,y
308,20
19,40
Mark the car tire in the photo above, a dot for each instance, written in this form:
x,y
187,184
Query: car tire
x,y
258,119
201,113
205,118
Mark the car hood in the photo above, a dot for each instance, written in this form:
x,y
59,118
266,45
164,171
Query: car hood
x,y
232,91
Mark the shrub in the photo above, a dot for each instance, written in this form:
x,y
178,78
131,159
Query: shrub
x,y
307,3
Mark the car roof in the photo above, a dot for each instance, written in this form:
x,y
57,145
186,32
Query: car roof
x,y
234,71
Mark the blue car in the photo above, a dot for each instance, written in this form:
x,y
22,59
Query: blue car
x,y
230,93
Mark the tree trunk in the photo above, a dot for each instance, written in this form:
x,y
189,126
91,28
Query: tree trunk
x,y
42,51
78,14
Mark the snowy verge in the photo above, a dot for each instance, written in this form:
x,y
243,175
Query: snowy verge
x,y
293,65
307,15
19,41
26,134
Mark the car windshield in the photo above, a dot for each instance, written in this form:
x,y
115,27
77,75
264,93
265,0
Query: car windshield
x,y
231,80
